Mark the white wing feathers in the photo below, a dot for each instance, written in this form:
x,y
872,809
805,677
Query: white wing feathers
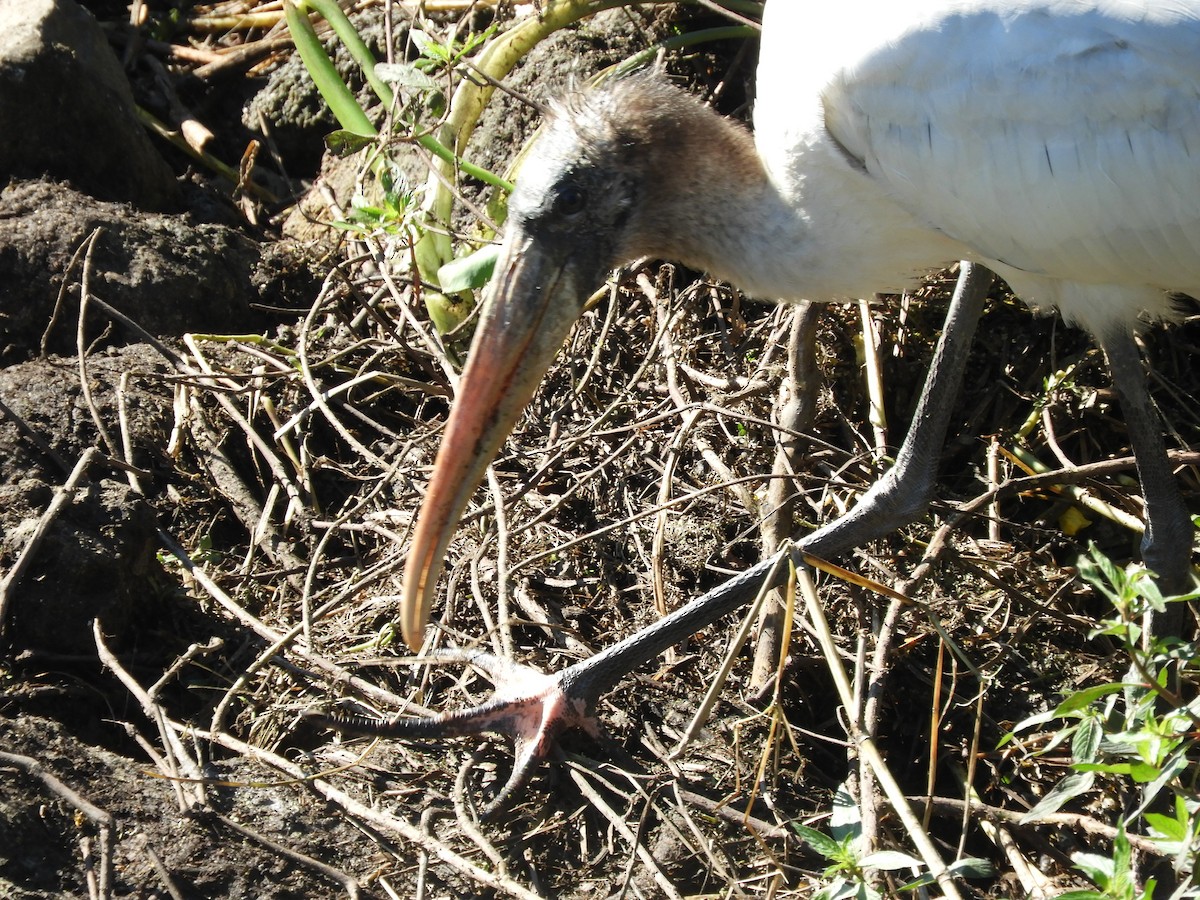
x,y
1062,142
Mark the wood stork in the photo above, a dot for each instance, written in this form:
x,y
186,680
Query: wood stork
x,y
1056,142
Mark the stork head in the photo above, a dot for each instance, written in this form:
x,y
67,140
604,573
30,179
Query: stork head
x,y
599,188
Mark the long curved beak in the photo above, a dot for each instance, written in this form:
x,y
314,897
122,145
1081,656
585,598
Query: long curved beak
x,y
531,305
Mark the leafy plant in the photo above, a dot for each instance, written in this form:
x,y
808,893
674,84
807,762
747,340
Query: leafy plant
x,y
408,217
494,56
393,215
848,867
1114,877
1139,729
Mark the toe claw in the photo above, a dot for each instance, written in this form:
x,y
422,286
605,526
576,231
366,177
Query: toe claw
x,y
528,706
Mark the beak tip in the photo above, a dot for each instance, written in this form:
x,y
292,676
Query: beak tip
x,y
413,619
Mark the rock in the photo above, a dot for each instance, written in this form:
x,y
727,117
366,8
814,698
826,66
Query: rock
x,y
46,395
66,108
98,558
167,273
96,561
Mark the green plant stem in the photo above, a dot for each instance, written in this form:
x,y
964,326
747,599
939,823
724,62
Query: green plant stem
x,y
444,153
470,99
359,51
320,67
361,54
341,100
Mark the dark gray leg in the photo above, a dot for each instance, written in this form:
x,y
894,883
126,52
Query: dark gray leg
x,y
1167,543
902,495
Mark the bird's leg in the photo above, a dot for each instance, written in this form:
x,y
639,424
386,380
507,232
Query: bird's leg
x,y
902,495
888,507
1167,541
532,707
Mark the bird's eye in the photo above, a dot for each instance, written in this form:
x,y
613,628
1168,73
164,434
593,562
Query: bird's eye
x,y
570,200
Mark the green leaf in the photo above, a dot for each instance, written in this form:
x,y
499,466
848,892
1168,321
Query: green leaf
x,y
889,861
469,272
1175,765
1032,722
1148,588
1143,773
1169,828
343,143
967,867
1071,786
1085,698
1107,768
971,867
838,889
426,45
845,819
1096,867
819,841
406,75
922,881
1086,740
1098,570
1122,857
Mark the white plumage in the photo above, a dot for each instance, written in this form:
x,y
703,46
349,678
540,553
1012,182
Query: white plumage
x,y
1051,141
